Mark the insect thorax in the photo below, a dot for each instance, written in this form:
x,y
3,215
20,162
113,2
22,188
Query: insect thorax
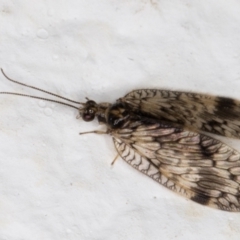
x,y
114,115
118,115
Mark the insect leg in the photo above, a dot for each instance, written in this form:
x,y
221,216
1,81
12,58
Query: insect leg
x,y
114,160
96,131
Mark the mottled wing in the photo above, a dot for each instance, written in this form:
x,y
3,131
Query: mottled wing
x,y
197,166
195,111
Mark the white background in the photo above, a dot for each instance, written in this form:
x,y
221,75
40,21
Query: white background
x,y
55,184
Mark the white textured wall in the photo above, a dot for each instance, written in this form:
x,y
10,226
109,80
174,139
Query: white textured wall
x,y
55,184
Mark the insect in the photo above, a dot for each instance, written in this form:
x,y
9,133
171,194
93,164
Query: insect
x,y
163,134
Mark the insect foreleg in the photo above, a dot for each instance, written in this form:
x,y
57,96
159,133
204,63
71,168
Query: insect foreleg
x,y
96,131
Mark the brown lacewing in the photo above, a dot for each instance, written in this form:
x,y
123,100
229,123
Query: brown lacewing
x,y
163,135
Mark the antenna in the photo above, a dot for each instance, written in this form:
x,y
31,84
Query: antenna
x,y
36,97
41,90
38,89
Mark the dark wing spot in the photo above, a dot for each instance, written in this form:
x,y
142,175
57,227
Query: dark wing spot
x,y
226,107
202,199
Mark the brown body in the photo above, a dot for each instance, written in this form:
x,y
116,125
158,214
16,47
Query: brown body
x,y
157,132
163,135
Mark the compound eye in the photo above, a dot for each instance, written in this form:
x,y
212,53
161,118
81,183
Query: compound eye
x,y
88,115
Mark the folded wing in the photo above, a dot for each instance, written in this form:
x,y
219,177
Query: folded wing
x,y
197,166
193,111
